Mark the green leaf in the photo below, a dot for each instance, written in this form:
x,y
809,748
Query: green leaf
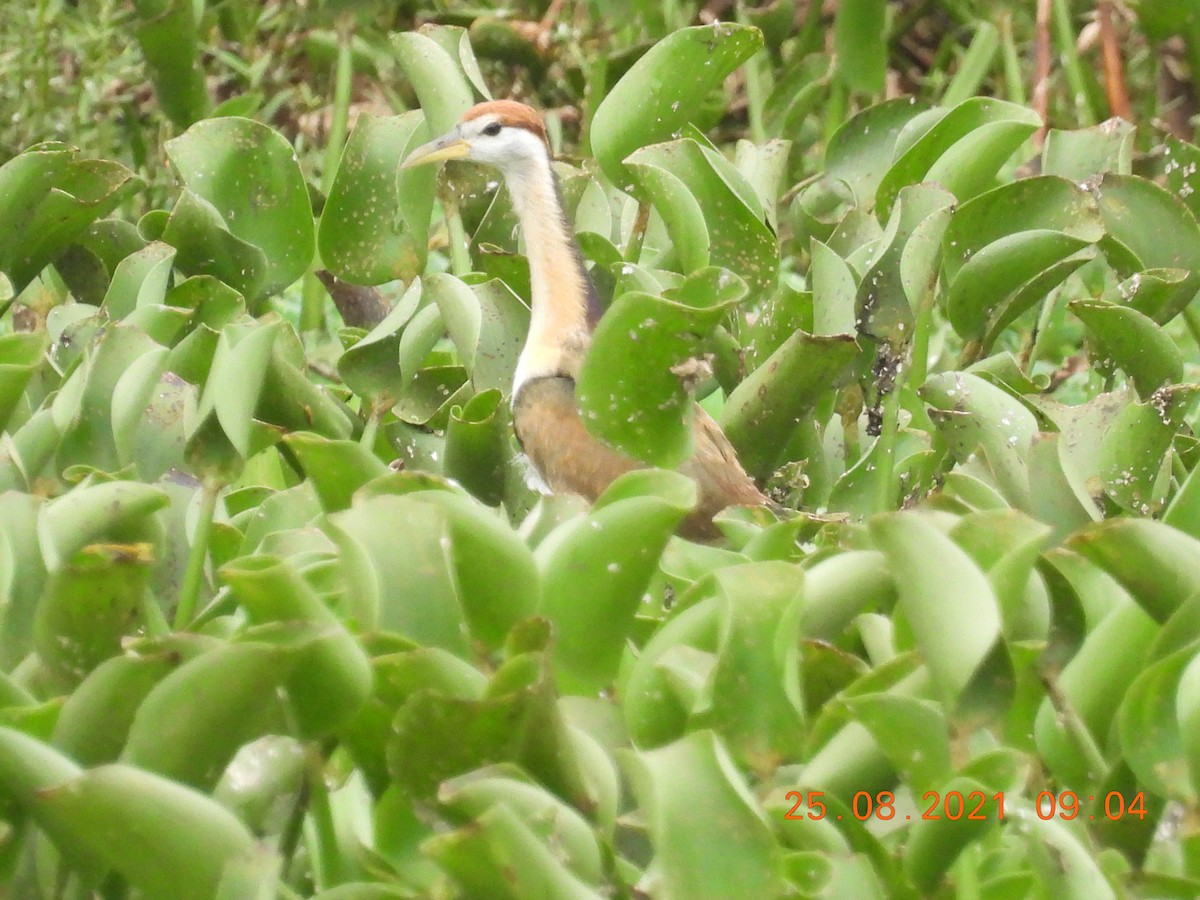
x,y
859,45
642,340
762,413
614,551
168,32
1087,152
167,840
48,198
94,722
709,837
1136,451
550,820
249,177
193,721
487,323
437,77
1134,342
1149,222
336,468
114,512
372,367
20,356
375,222
332,676
435,737
685,179
91,602
862,148
903,265
658,95
477,446
1158,565
962,150
1151,740
500,855
973,414
947,600
412,593
1016,242
752,699
1091,687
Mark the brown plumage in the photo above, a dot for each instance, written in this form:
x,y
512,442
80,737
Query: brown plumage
x,y
546,418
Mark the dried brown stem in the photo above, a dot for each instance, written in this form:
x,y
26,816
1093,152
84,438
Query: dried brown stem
x,y
1114,68
361,307
1041,77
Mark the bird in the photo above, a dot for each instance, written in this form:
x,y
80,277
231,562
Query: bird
x,y
564,310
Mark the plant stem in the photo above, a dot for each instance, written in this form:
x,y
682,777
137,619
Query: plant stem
x,y
885,459
193,575
326,862
1077,732
1064,35
371,427
312,298
460,259
633,249
1013,83
756,97
1192,319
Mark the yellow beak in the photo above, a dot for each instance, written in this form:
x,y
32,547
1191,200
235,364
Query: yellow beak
x,y
448,146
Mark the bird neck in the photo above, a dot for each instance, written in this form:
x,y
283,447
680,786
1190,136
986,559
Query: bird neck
x,y
559,288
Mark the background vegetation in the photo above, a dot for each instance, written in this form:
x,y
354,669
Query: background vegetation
x,y
279,614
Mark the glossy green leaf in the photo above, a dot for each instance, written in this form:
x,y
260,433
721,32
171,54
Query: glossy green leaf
x,y
91,602
437,77
332,675
710,839
962,150
1134,342
1157,564
1092,685
165,839
1136,450
193,721
613,551
168,32
947,600
49,198
765,409
1088,152
20,357
644,340
659,93
1149,222
500,855
375,221
1150,734
477,446
862,148
683,178
94,722
903,265
976,414
248,176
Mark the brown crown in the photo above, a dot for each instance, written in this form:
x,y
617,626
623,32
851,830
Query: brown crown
x,y
510,114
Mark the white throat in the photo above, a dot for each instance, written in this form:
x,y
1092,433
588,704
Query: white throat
x,y
558,329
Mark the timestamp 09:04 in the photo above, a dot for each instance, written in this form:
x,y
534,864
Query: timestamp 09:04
x,y
975,806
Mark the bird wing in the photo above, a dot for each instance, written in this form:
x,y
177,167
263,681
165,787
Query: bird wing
x,y
547,422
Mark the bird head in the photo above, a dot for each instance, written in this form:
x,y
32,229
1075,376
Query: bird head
x,y
503,133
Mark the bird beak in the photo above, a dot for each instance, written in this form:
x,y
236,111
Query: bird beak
x,y
448,146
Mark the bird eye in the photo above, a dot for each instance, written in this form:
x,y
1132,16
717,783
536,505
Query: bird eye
x,y
492,130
